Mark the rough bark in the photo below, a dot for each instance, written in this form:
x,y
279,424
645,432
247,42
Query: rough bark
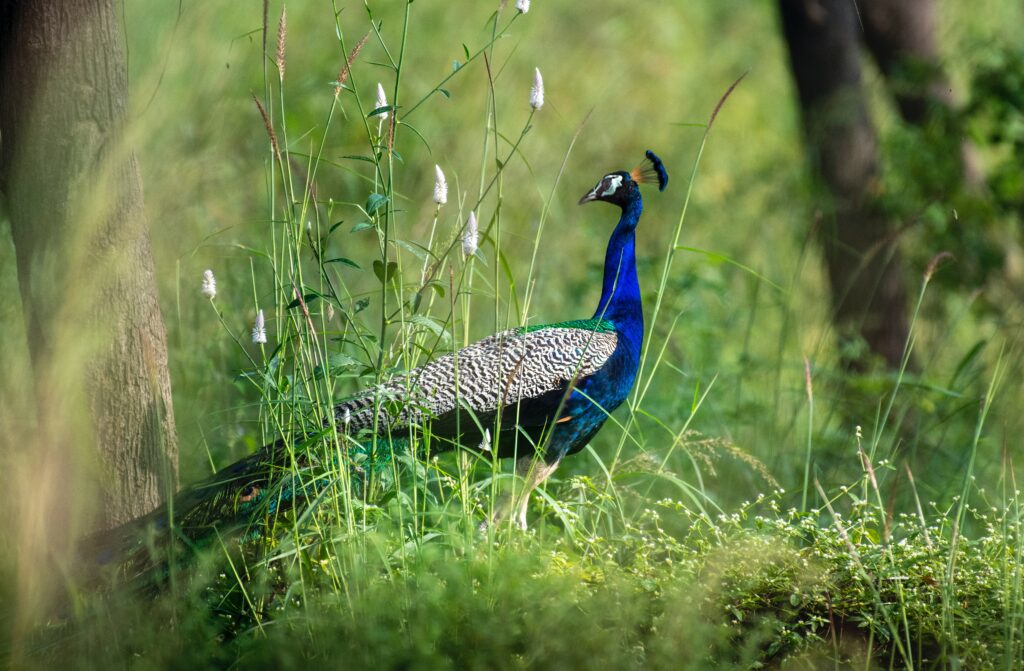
x,y
868,289
85,268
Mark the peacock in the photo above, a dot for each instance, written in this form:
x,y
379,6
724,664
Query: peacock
x,y
544,390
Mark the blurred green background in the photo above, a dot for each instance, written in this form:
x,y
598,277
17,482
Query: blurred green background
x,y
648,75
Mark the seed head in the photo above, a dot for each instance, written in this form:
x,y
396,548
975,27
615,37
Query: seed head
x,y
382,101
259,330
440,187
209,286
471,236
269,126
934,264
523,6
537,90
485,444
346,70
282,31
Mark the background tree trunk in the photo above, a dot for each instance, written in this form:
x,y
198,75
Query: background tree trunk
x,y
868,290
900,34
85,271
901,37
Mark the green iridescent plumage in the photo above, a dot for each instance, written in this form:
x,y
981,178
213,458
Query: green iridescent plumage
x,y
595,324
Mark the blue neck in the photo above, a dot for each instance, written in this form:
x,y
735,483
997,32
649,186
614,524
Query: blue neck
x,y
620,293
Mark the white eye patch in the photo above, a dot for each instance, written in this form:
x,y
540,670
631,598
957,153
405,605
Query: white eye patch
x,y
613,182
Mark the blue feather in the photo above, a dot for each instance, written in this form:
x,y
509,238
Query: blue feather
x,y
659,168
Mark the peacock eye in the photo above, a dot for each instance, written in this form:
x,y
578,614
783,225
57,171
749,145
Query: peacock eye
x,y
610,184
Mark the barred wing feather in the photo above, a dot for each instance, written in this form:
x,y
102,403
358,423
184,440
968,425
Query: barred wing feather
x,y
530,369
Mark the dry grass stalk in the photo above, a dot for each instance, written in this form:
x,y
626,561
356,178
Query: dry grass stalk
x,y
269,126
934,264
282,31
266,10
347,69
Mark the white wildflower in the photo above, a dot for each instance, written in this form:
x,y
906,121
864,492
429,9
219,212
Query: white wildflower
x,y
440,187
382,101
346,418
471,236
485,444
209,287
523,6
259,329
537,90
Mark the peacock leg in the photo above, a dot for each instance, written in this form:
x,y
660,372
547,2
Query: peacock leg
x,y
534,471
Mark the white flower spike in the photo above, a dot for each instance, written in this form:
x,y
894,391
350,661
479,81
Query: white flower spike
x,y
471,237
382,101
259,330
440,187
537,90
209,286
523,6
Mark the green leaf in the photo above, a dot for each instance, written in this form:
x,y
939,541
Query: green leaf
x,y
431,325
374,202
255,376
337,364
334,226
445,93
437,287
419,251
717,259
311,297
361,226
360,305
342,259
380,110
379,271
354,157
465,50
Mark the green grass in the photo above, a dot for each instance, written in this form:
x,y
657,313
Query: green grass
x,y
752,506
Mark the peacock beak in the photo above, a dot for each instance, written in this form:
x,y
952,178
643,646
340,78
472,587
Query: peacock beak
x,y
591,195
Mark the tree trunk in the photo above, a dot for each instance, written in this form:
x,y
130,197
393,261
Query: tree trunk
x,y
868,290
900,34
85,271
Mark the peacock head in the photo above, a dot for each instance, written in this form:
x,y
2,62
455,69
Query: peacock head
x,y
619,188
